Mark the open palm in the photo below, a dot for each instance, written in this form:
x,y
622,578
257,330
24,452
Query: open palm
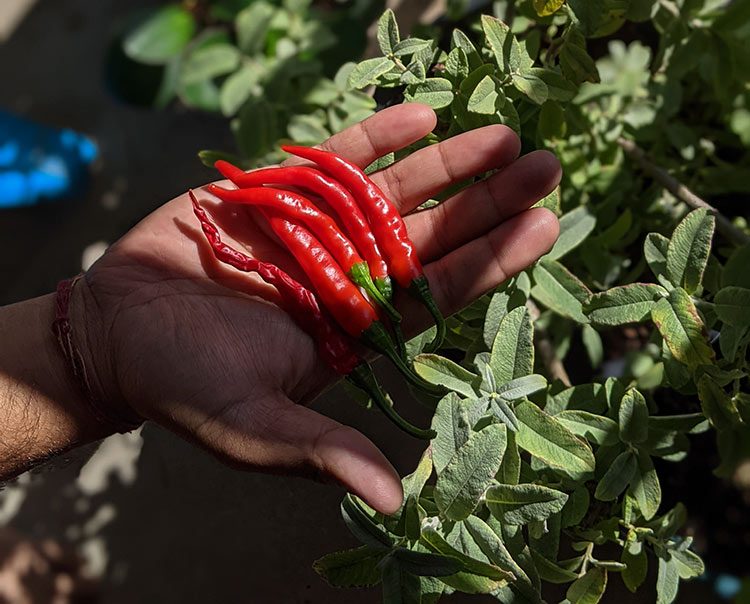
x,y
204,351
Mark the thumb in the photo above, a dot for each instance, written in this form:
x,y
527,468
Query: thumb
x,y
291,439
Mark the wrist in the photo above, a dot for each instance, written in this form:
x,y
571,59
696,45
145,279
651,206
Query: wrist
x,y
90,360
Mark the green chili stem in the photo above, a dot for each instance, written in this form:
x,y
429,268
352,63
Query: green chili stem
x,y
420,289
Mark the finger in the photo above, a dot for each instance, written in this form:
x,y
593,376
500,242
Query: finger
x,y
286,437
388,130
473,269
481,207
427,172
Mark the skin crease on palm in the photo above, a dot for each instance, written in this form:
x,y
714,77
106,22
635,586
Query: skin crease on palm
x,y
202,349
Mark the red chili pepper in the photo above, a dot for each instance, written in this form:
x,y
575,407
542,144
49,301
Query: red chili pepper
x,y
335,349
341,201
340,296
387,225
300,209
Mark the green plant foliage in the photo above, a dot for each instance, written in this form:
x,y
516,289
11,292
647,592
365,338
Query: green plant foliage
x,y
530,477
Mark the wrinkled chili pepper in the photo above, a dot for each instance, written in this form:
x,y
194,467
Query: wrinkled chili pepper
x,y
300,209
340,296
387,225
302,305
336,196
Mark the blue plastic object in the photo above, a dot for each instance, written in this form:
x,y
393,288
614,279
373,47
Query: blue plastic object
x,y
39,163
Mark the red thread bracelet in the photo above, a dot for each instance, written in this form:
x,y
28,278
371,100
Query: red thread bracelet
x,y
63,331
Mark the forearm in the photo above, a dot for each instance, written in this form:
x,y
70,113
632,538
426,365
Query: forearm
x,y
42,410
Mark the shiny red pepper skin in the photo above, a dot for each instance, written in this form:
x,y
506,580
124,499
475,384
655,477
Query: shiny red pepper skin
x,y
388,227
341,201
385,221
299,209
334,347
349,308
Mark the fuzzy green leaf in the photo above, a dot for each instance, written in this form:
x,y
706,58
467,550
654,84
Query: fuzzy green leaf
x,y
688,249
523,503
617,477
625,304
575,227
451,422
444,372
388,34
732,305
484,99
532,87
510,57
576,508
637,568
645,487
720,409
362,526
425,564
594,428
352,567
522,387
513,349
399,586
369,71
682,329
559,290
633,416
160,36
667,581
435,92
461,485
251,25
550,441
655,251
589,588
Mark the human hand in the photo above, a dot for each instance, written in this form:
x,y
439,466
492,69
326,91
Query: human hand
x,y
205,352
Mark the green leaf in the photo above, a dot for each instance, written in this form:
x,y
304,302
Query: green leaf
x,y
594,428
645,487
513,349
592,342
584,397
351,568
655,251
667,581
558,87
732,305
633,417
415,73
504,412
411,46
550,571
625,304
399,586
589,588
689,248
493,547
637,568
307,129
451,422
692,423
559,290
718,407
238,88
160,36
575,227
461,485
209,62
444,372
460,40
388,34
735,270
435,92
544,8
425,564
510,468
548,440
252,25
575,63
682,329
576,508
532,87
523,503
369,71
457,65
689,565
362,526
522,387
617,477
437,543
510,57
484,99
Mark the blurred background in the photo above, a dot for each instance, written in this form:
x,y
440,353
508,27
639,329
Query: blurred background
x,y
117,98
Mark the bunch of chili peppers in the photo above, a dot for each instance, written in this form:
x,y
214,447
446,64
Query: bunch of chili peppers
x,y
351,269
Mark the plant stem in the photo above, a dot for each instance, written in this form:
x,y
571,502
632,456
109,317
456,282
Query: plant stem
x,y
680,191
550,361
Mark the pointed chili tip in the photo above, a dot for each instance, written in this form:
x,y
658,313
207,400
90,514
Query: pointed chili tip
x,y
194,199
228,170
